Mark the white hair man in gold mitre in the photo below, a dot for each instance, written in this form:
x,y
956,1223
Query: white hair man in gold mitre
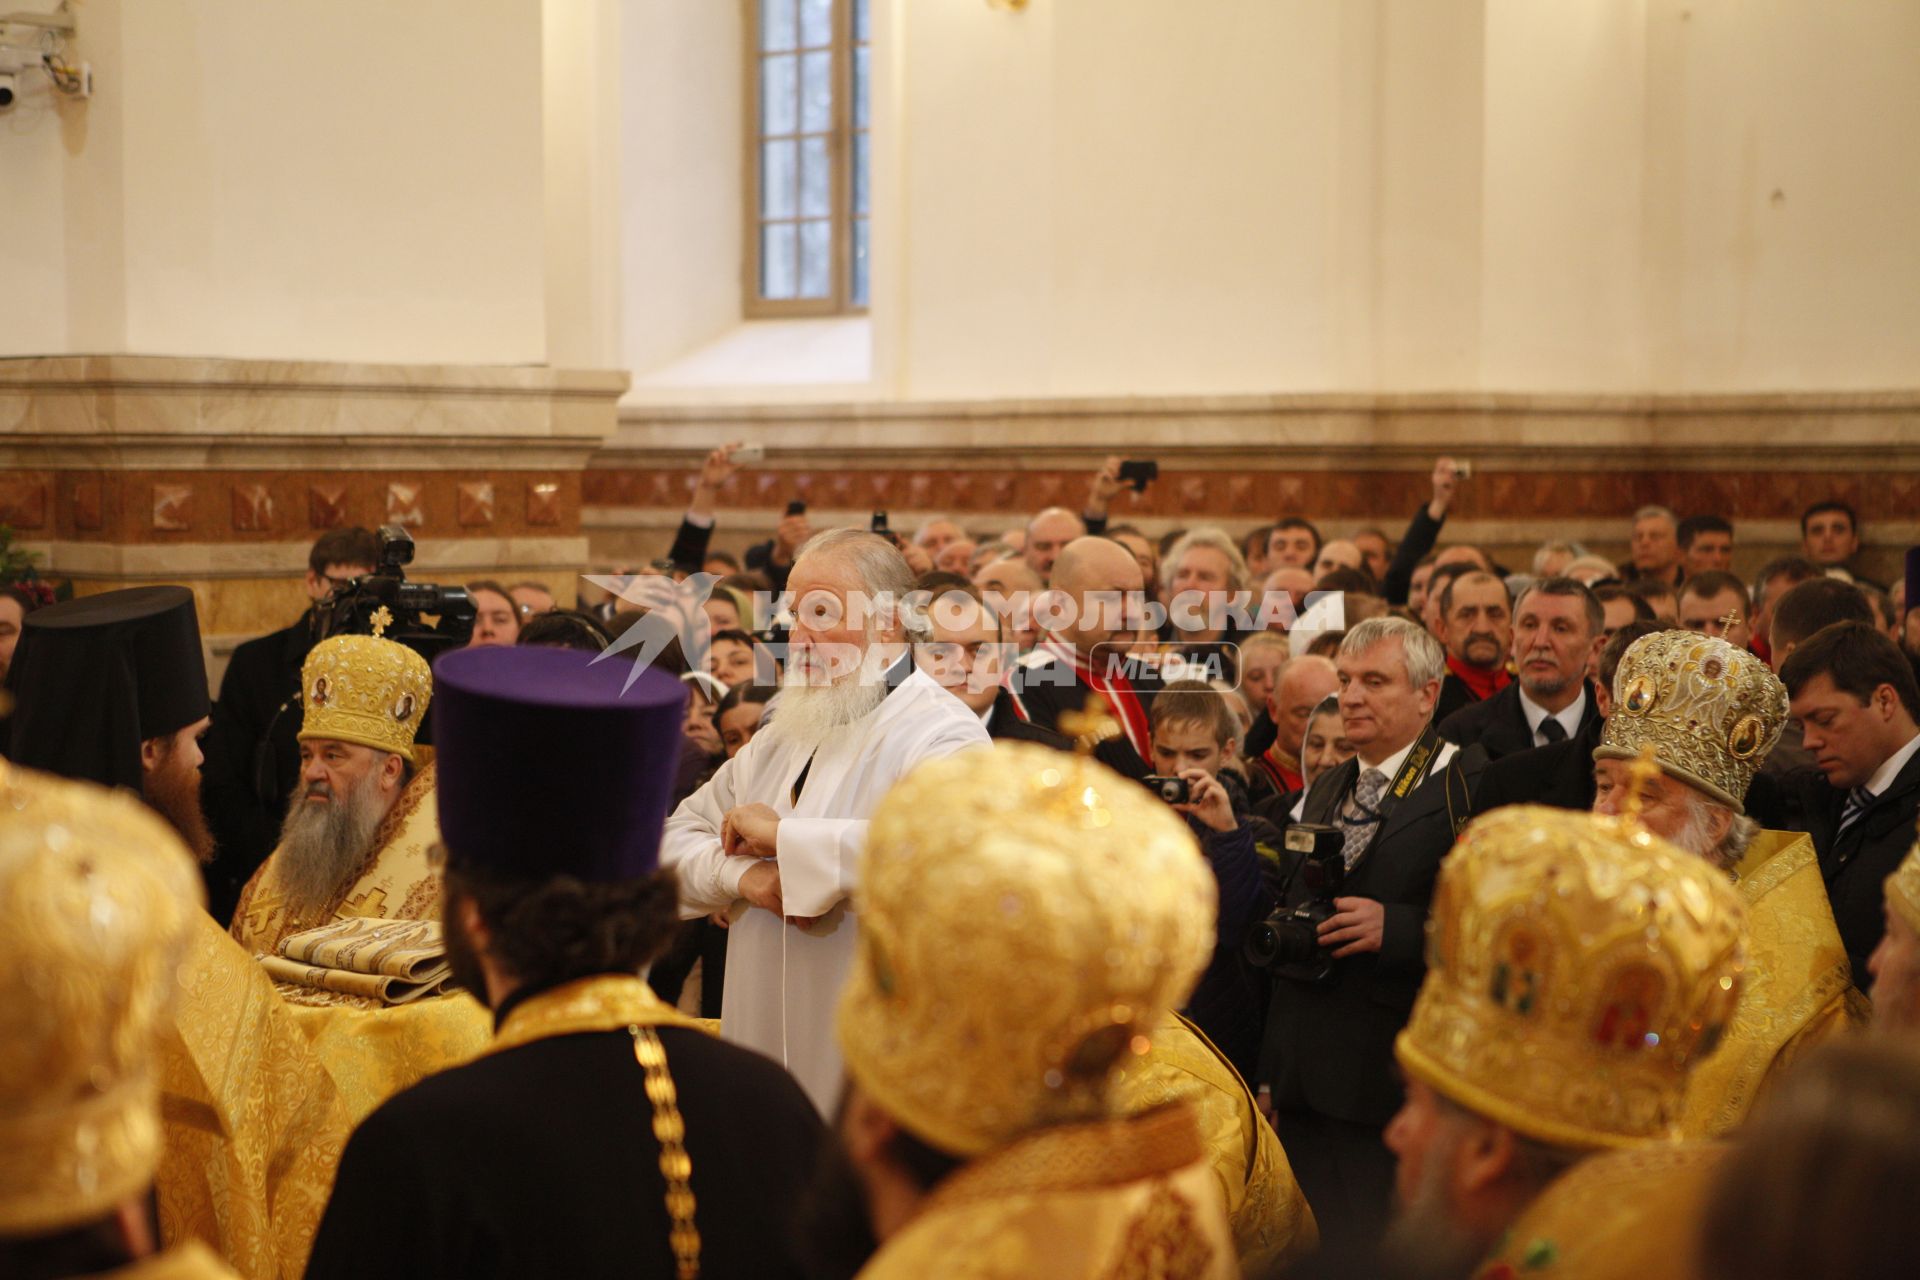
x,y
1579,970
1710,713
359,831
1027,921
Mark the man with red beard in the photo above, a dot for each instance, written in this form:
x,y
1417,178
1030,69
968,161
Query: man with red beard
x,y
112,688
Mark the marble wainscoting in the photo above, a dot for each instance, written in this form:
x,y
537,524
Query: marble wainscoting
x,y
219,474
1544,466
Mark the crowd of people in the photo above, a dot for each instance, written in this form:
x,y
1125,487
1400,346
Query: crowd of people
x,y
1050,900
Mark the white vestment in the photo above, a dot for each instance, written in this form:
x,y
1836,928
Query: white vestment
x,y
783,981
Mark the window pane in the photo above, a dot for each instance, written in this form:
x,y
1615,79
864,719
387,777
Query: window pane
x,y
776,25
816,23
816,92
777,179
862,77
816,259
779,269
859,290
862,32
860,173
816,179
779,89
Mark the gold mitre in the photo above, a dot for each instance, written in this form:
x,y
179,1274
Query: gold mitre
x,y
1710,712
1577,967
367,690
1903,889
96,896
1026,917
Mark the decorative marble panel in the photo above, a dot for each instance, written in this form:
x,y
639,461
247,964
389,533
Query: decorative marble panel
x,y
172,508
252,508
404,505
23,503
476,503
89,505
327,505
543,503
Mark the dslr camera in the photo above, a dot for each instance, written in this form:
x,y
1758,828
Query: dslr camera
x,y
426,617
1288,941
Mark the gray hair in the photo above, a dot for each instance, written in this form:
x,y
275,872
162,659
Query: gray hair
x,y
1425,660
1548,550
1665,513
1206,536
883,572
1694,837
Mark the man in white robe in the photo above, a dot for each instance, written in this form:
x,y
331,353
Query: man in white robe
x,y
776,836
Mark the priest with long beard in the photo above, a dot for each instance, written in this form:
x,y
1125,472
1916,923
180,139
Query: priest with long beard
x,y
361,825
775,837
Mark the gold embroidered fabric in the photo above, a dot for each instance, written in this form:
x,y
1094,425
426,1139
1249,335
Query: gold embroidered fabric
x,y
1577,968
1710,712
373,1052
607,1002
385,961
1903,889
253,1124
1798,990
98,899
1269,1216
397,880
364,690
1025,917
1107,1200
1625,1215
190,1261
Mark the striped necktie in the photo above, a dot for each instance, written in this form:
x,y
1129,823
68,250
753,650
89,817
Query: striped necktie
x,y
1857,801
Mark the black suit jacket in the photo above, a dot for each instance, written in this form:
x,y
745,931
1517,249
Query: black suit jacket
x,y
262,678
541,1161
1454,696
1559,775
1499,725
1329,1046
1857,862
1007,726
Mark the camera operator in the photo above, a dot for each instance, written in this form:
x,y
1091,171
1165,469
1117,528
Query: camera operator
x,y
256,708
1193,739
1328,1048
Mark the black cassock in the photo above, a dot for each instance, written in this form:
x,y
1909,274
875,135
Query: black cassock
x,y
540,1160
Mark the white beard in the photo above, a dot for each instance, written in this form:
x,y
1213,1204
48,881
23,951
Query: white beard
x,y
808,714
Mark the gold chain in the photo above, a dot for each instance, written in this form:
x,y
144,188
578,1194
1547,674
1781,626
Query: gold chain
x,y
675,1165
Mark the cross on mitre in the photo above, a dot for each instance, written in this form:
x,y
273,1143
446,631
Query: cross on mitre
x,y
1091,725
1731,621
382,619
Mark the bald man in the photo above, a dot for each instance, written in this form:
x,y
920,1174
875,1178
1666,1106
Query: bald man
x,y
1303,682
1047,534
1094,601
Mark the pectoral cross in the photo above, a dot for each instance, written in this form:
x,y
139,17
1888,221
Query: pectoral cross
x,y
1091,725
382,619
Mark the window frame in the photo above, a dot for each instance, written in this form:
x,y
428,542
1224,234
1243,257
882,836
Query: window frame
x,y
839,298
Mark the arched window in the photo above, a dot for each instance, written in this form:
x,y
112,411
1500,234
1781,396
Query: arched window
x,y
808,189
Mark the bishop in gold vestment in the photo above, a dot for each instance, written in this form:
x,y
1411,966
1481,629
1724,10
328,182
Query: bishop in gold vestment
x,y
363,701
1707,714
1028,922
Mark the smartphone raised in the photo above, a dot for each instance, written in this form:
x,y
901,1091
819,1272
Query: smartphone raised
x,y
1139,473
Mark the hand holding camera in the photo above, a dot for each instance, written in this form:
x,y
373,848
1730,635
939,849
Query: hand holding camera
x,y
1207,800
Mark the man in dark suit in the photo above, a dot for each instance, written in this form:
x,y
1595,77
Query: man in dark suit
x,y
1328,1049
1476,621
962,644
1096,584
252,758
1560,774
605,1134
1858,705
1556,633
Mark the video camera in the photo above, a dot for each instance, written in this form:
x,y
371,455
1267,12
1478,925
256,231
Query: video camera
x,y
426,617
1288,941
